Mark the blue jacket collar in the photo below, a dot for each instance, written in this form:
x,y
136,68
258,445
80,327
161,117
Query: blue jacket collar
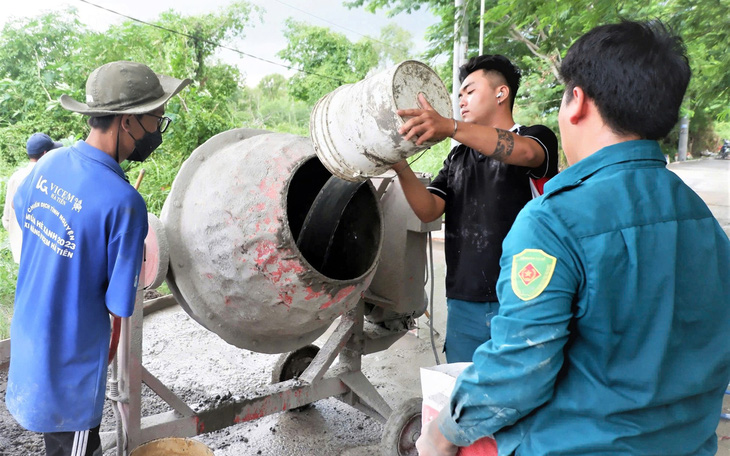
x,y
611,155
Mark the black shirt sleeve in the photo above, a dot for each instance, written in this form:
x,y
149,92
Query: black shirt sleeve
x,y
549,143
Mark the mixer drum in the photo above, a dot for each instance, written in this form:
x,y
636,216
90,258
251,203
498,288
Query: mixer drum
x,y
233,217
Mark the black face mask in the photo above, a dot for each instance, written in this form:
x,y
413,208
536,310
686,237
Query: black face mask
x,y
145,145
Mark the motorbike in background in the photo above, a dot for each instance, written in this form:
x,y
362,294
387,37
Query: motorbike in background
x,y
725,148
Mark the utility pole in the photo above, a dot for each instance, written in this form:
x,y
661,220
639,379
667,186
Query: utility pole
x,y
461,43
481,29
683,138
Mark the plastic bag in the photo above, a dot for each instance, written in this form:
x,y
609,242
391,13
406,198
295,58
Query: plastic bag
x,y
437,383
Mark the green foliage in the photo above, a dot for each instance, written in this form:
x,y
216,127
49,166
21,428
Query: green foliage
x,y
723,131
432,160
34,65
394,45
8,268
269,106
704,27
326,60
8,277
537,35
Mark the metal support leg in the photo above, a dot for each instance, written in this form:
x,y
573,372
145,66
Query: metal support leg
x,y
364,396
329,351
344,381
367,395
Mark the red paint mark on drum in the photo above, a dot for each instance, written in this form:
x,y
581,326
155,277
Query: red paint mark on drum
x,y
268,190
289,267
227,301
285,299
311,294
342,294
264,253
267,255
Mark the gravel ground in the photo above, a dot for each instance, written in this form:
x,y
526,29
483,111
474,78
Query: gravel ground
x,y
201,369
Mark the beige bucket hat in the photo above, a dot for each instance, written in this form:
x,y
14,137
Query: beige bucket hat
x,y
124,87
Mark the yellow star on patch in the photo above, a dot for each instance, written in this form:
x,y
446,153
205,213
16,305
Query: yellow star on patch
x,y
532,270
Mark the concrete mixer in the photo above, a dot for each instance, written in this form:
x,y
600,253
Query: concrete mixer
x,y
263,246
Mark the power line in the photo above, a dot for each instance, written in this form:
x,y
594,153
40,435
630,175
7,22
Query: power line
x,y
217,45
335,24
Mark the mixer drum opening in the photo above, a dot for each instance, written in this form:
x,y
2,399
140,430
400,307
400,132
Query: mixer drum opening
x,y
336,224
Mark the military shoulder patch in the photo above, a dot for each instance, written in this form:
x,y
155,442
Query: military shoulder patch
x,y
532,270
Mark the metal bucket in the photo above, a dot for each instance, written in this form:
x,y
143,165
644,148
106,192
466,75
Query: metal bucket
x,y
172,447
265,249
354,129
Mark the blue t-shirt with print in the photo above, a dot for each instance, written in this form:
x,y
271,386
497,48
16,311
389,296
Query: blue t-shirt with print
x,y
83,235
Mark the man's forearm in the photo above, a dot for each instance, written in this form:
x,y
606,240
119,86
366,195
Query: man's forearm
x,y
499,144
423,202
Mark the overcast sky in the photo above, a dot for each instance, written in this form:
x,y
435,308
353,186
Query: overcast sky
x,y
263,40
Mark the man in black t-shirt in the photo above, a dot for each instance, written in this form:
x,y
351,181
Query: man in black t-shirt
x,y
484,183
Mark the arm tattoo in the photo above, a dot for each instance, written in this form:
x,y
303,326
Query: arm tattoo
x,y
505,145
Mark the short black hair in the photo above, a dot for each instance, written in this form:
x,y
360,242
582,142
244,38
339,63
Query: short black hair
x,y
498,63
635,72
101,122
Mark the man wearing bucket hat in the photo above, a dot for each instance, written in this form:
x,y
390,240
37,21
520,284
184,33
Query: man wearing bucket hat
x,y
485,181
84,227
36,146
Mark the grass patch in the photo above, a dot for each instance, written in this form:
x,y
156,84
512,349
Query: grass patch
x,y
8,277
432,159
723,130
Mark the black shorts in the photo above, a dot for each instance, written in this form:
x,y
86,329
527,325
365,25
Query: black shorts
x,y
79,443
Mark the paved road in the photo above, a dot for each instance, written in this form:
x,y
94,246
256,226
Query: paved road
x,y
710,178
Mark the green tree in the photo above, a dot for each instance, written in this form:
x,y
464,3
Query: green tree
x,y
269,106
536,36
42,58
394,45
34,63
273,85
325,59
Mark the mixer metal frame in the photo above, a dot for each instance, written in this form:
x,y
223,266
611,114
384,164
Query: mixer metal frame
x,y
352,338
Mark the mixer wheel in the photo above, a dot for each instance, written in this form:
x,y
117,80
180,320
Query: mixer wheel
x,y
402,429
293,364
